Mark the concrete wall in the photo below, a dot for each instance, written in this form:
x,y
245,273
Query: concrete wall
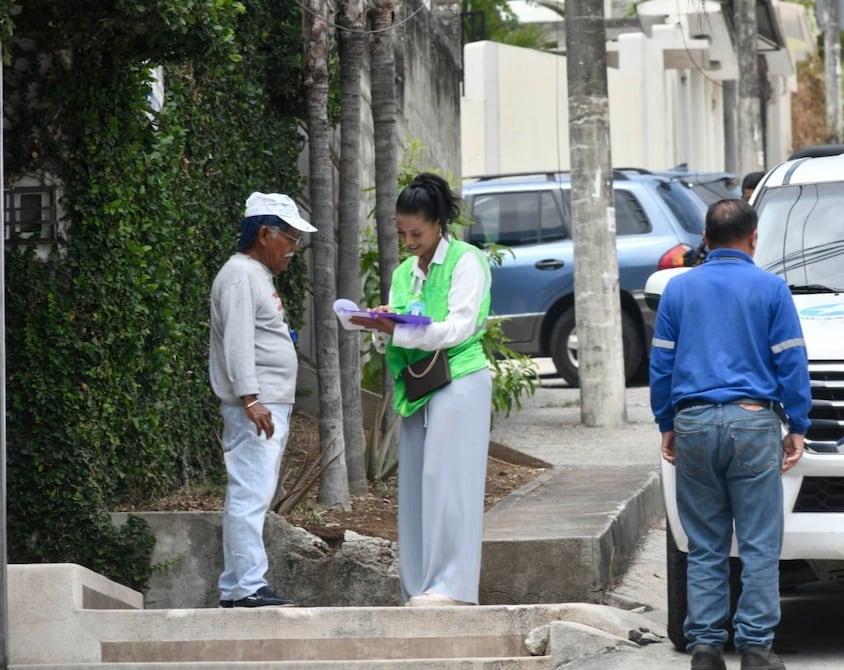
x,y
188,556
428,73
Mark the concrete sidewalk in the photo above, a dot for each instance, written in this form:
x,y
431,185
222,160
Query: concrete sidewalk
x,y
583,518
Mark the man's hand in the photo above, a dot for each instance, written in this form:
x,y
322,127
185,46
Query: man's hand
x,y
262,418
792,445
668,446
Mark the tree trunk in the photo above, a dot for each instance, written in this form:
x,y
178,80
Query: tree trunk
x,y
832,70
596,294
334,486
751,144
351,47
383,85
383,93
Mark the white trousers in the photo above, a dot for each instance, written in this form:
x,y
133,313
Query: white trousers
x,y
252,469
442,475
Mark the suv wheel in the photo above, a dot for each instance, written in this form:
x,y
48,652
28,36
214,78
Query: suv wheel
x,y
675,578
564,346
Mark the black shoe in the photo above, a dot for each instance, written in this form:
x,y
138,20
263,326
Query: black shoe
x,y
759,658
707,657
263,597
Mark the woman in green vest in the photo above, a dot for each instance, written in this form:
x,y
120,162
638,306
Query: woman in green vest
x,y
444,435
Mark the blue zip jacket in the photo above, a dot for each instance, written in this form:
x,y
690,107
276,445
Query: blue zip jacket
x,y
726,330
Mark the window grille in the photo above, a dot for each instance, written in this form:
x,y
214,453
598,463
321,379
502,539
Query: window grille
x,y
31,215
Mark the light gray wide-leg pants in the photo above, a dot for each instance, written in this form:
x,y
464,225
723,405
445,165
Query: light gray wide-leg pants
x,y
442,475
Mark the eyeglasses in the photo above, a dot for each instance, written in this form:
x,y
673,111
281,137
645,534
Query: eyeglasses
x,y
296,239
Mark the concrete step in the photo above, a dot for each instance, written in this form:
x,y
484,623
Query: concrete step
x,y
519,663
482,637
67,616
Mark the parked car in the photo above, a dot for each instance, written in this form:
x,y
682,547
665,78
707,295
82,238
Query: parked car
x,y
708,186
801,238
658,219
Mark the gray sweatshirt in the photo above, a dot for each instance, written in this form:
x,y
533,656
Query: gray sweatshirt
x,y
251,351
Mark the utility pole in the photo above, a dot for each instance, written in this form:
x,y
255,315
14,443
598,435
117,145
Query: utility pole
x,y
597,302
832,70
751,153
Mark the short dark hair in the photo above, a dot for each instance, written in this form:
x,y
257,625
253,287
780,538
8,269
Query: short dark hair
x,y
751,179
729,221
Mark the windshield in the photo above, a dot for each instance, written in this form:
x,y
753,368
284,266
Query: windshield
x,y
801,234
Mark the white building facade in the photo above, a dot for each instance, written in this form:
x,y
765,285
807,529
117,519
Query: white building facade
x,y
667,94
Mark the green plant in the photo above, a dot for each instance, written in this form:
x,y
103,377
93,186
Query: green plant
x,y
108,395
386,490
514,374
380,456
297,483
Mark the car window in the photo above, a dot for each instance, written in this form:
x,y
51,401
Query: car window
x,y
515,219
801,233
686,206
630,217
713,190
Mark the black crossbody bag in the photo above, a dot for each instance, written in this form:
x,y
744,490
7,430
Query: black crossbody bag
x,y
426,375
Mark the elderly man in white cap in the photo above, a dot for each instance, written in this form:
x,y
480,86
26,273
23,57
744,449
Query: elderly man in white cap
x,y
253,365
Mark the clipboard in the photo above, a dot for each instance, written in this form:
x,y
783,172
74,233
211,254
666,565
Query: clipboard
x,y
346,309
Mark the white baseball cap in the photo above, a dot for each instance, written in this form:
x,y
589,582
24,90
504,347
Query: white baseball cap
x,y
277,204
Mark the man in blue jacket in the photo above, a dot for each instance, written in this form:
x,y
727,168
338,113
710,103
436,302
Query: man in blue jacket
x,y
727,358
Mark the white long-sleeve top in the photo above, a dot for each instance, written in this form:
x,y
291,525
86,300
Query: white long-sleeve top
x,y
469,284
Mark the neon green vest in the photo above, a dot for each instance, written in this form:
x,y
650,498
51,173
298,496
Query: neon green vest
x,y
464,358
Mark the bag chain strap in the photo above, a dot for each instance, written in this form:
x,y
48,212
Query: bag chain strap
x,y
427,370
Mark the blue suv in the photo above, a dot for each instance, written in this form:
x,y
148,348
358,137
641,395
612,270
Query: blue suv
x,y
658,219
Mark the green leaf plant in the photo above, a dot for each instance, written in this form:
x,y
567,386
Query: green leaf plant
x,y
108,397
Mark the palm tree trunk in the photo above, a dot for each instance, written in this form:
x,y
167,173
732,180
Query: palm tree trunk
x,y
351,47
383,84
333,486
383,93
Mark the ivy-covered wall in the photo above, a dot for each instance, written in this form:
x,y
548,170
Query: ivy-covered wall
x,y
107,388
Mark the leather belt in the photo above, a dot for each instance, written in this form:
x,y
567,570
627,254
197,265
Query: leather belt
x,y
685,404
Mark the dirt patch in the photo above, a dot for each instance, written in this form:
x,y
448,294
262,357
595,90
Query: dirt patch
x,y
374,514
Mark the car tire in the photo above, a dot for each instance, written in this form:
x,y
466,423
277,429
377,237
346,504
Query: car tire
x,y
675,578
564,346
676,566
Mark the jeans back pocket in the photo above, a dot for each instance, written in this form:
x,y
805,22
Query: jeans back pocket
x,y
757,445
690,450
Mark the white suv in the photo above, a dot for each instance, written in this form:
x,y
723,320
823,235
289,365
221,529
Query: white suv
x,y
801,238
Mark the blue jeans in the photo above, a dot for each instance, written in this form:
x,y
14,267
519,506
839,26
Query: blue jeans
x,y
252,469
728,472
